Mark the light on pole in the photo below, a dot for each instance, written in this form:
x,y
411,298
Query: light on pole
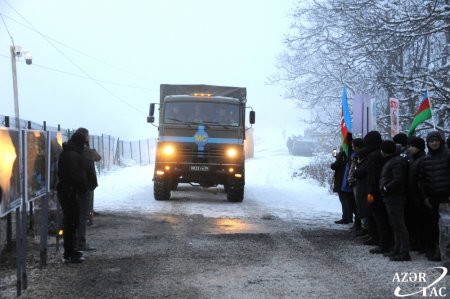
x,y
16,51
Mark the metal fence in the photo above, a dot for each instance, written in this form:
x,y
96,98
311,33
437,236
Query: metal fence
x,y
114,153
112,150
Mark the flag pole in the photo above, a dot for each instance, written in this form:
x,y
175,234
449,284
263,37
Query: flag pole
x,y
431,110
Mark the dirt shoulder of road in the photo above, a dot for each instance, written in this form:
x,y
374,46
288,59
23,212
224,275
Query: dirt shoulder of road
x,y
190,256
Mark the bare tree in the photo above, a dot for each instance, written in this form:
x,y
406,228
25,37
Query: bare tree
x,y
383,48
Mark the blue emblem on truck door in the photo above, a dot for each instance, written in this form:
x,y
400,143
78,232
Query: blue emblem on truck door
x,y
201,138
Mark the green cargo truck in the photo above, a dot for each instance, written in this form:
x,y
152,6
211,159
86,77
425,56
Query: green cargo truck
x,y
201,138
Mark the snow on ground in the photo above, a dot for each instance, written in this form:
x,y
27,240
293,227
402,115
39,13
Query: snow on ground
x,y
270,190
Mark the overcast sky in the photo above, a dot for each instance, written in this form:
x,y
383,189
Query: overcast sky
x,y
130,48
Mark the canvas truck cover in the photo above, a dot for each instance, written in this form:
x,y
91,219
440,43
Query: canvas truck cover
x,y
188,89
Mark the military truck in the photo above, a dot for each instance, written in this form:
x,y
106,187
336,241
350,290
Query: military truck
x,y
201,138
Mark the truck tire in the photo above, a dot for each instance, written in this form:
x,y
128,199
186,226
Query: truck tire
x,y
173,184
225,187
235,193
161,189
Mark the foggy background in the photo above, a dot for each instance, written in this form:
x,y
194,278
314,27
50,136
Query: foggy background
x,y
99,64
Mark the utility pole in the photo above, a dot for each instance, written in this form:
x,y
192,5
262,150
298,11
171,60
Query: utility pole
x,y
15,89
16,51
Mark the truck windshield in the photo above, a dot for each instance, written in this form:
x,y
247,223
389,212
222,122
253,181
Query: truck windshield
x,y
222,114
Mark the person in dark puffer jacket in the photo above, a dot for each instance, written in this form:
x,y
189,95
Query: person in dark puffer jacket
x,y
72,184
375,163
435,182
418,218
339,169
86,201
393,182
357,145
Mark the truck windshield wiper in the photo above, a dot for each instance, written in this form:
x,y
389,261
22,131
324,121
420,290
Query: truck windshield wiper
x,y
217,123
174,119
189,123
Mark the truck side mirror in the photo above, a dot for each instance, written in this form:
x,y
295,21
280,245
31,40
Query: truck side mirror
x,y
252,117
150,117
152,109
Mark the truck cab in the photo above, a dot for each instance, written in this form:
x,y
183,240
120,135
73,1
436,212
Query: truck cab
x,y
201,139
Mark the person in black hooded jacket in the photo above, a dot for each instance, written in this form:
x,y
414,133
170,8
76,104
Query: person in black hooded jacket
x,y
380,219
417,217
435,182
72,184
393,183
339,168
86,201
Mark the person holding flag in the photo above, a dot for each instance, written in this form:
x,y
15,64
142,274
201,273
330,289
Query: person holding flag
x,y
340,165
422,114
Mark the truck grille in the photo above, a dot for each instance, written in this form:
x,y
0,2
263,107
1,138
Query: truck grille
x,y
211,154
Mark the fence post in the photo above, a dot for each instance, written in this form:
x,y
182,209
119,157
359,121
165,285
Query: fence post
x,y
31,213
131,150
123,152
140,156
109,151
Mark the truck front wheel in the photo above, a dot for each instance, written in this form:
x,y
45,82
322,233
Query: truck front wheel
x,y
235,192
161,188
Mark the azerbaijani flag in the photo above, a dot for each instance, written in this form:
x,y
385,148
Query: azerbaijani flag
x,y
422,114
346,123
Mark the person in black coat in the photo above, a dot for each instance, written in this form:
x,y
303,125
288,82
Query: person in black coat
x,y
417,216
86,200
339,169
380,220
72,184
435,182
360,176
393,183
357,146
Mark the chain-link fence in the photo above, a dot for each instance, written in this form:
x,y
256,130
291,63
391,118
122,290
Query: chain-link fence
x,y
112,150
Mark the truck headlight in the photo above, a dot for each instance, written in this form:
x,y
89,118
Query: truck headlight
x,y
168,150
231,153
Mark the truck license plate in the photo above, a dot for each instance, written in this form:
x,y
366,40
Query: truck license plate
x,y
199,168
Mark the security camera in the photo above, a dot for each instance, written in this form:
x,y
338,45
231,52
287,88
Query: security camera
x,y
18,50
28,58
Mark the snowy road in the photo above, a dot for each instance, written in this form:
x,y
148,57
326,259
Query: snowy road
x,y
270,191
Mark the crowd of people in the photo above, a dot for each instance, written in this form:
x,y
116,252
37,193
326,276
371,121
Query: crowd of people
x,y
77,181
397,194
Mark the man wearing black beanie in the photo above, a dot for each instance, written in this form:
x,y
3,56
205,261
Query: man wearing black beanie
x,y
435,174
379,228
417,216
393,190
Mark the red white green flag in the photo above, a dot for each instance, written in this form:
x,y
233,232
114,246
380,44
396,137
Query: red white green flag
x,y
346,124
422,114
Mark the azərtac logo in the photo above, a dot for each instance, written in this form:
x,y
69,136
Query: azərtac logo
x,y
420,283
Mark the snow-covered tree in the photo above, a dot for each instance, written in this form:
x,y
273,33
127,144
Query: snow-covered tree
x,y
383,48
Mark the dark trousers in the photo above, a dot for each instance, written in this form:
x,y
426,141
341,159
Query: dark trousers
x,y
84,201
430,230
396,214
71,220
413,222
352,206
385,238
347,213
